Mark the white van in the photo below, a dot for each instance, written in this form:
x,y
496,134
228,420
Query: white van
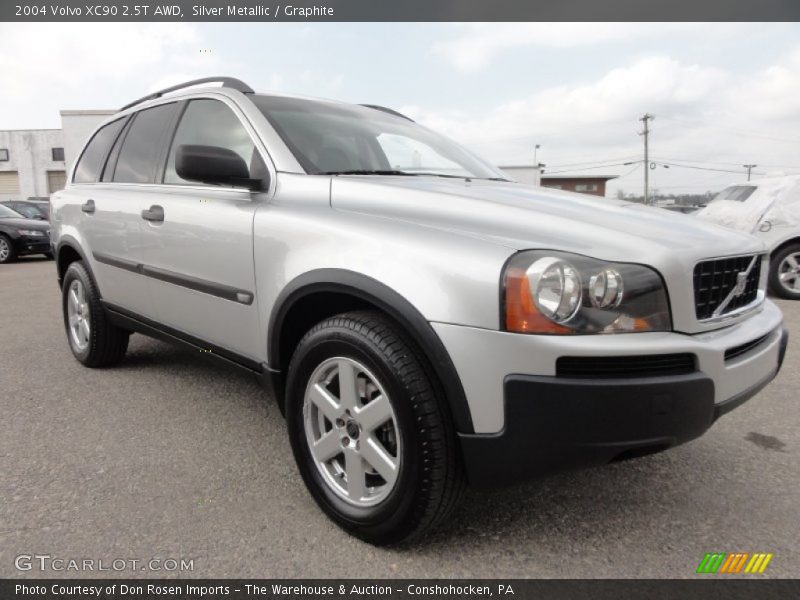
x,y
770,209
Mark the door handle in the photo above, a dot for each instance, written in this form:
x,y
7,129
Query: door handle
x,y
154,214
88,206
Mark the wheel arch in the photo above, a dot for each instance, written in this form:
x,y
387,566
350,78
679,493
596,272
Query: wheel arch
x,y
787,242
68,251
322,293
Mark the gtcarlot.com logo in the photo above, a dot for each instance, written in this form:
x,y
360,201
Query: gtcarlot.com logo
x,y
46,562
736,562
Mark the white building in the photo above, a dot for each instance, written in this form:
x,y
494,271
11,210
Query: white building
x,y
530,174
34,162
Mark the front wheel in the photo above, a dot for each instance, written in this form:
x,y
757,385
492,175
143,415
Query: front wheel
x,y
372,439
784,273
7,252
93,340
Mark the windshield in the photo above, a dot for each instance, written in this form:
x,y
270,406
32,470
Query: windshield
x,y
736,193
7,213
331,138
29,211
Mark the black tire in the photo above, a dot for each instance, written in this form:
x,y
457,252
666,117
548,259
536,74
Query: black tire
x,y
430,478
11,254
107,343
775,286
49,255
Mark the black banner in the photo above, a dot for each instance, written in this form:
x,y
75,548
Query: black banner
x,y
350,589
399,10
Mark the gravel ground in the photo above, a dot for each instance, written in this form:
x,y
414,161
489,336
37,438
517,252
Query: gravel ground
x,y
170,456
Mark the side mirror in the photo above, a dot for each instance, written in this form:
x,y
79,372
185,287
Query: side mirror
x,y
214,165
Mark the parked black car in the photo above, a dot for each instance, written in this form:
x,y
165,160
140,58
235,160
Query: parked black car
x,y
28,209
20,236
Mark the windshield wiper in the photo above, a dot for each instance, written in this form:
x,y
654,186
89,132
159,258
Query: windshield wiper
x,y
408,174
464,177
367,172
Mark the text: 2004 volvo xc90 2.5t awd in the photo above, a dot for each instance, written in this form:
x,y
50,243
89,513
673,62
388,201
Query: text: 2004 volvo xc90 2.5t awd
x,y
423,322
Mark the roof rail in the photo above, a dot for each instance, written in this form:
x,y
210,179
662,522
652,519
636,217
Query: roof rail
x,y
229,82
388,110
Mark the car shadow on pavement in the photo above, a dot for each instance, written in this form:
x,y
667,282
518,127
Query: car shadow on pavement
x,y
37,258
597,502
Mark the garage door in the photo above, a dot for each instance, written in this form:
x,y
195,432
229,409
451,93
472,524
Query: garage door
x,y
56,180
9,182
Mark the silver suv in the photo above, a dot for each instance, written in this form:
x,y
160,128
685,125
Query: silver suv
x,y
422,321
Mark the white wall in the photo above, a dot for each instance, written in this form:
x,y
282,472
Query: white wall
x,y
524,174
77,126
30,154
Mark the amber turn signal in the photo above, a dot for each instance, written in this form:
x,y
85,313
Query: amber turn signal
x,y
522,315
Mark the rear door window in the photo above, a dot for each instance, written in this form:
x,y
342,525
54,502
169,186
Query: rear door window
x,y
91,162
139,156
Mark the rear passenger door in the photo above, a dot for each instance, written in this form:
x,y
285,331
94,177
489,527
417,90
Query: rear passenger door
x,y
114,224
201,269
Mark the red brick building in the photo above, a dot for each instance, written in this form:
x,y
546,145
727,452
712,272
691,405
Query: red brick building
x,y
583,184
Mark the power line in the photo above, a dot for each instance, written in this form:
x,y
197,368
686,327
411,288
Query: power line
x,y
588,168
594,162
718,162
671,164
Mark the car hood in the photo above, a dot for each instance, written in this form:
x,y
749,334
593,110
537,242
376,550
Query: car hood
x,y
522,216
25,223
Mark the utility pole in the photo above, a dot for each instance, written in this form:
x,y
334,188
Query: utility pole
x,y
646,133
749,168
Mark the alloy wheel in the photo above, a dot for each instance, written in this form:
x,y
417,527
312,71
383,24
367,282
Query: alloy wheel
x,y
789,273
78,315
352,431
4,249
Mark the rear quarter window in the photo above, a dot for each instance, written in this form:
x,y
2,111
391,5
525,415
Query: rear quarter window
x,y
91,162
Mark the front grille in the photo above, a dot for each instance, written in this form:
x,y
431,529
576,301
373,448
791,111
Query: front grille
x,y
714,280
736,351
607,367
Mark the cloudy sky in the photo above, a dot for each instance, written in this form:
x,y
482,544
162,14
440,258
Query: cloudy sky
x,y
723,94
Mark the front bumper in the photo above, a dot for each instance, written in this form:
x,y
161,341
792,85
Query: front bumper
x,y
531,419
32,245
555,424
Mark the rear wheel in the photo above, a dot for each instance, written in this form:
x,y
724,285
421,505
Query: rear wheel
x,y
93,340
7,252
784,273
373,441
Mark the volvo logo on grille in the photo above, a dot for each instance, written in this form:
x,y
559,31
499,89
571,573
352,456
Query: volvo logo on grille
x,y
741,284
737,290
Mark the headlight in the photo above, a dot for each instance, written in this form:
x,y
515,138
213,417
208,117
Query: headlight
x,y
559,293
31,232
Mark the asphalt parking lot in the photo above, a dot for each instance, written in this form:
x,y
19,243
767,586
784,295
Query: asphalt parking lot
x,y
171,456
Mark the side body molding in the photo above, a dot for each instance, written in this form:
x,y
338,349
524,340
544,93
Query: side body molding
x,y
396,306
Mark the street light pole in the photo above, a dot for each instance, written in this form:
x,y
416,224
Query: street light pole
x,y
646,118
749,168
535,152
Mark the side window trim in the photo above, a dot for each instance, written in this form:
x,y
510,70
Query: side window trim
x,y
173,130
110,166
162,150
